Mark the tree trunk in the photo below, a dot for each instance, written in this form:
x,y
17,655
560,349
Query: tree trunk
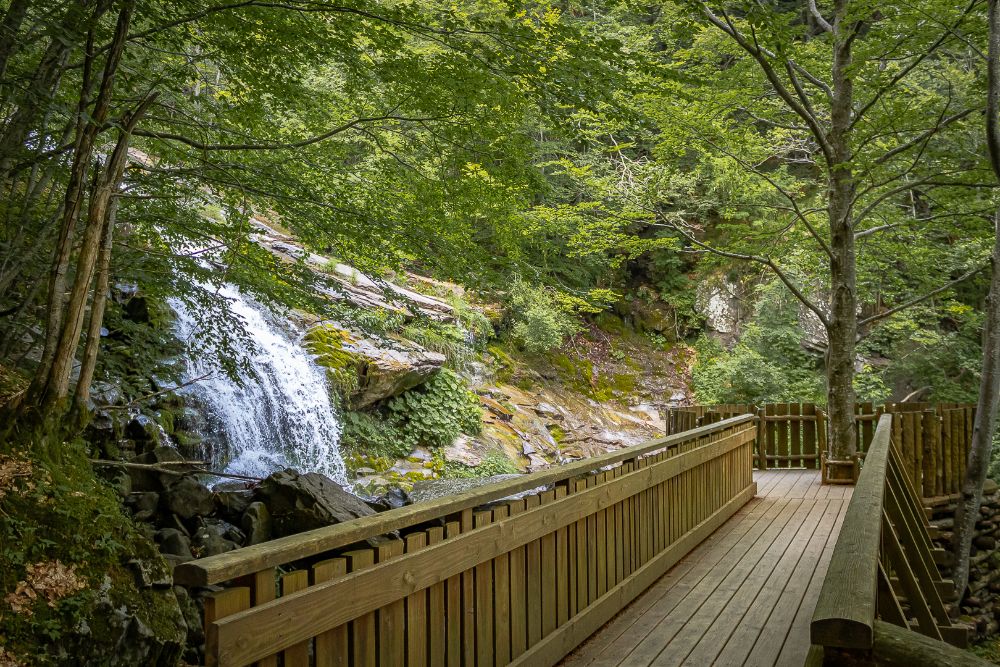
x,y
83,150
981,448
842,331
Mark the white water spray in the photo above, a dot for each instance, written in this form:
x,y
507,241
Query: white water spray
x,y
279,415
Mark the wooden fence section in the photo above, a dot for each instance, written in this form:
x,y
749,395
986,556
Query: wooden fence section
x,y
933,440
882,566
479,578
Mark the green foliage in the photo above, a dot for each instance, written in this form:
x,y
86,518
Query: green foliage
x,y
431,415
372,435
447,339
435,413
537,322
768,364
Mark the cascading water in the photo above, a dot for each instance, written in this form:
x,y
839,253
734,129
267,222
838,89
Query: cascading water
x,y
279,414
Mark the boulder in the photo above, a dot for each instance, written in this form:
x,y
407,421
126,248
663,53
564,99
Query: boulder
x,y
142,428
300,502
151,480
187,497
215,537
143,504
174,543
232,504
380,367
256,523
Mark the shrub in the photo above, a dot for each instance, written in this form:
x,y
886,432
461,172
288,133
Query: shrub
x,y
537,322
372,434
435,413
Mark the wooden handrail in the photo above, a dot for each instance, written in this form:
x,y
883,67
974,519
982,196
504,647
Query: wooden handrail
x,y
845,611
252,559
882,568
259,631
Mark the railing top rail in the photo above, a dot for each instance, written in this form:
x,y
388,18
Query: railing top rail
x,y
845,612
248,560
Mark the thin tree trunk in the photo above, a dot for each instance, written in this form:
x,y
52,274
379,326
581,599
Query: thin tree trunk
x,y
842,331
981,448
100,217
97,306
86,134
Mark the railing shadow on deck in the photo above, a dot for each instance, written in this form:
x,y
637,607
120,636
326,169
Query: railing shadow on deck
x,y
479,578
882,574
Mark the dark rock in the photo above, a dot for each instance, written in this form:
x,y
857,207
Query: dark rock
x,y
174,543
143,501
301,502
122,484
986,543
151,480
232,504
138,309
151,632
187,497
192,616
143,429
216,537
394,498
256,523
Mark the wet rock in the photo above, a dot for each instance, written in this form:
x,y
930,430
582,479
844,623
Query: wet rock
x,y
187,497
256,523
142,428
392,499
232,504
301,502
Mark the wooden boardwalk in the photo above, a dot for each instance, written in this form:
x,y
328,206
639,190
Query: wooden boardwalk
x,y
745,595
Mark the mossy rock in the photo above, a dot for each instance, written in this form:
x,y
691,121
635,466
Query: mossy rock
x,y
116,606
369,369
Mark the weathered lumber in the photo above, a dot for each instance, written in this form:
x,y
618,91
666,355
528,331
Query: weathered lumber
x,y
846,608
223,567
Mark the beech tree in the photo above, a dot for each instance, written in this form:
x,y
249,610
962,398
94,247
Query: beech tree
x,y
838,119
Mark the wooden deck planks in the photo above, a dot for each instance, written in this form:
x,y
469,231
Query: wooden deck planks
x,y
743,596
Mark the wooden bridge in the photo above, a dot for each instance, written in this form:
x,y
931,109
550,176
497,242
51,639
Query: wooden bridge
x,y
675,551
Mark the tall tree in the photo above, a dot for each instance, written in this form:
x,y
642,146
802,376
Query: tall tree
x,y
984,428
800,99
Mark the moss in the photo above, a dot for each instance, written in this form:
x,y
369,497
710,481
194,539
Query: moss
x,y
558,435
64,513
343,367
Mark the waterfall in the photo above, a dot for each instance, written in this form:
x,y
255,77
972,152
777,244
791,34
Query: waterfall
x,y
279,414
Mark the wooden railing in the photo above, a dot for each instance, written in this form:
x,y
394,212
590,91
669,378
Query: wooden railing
x,y
934,440
478,578
882,567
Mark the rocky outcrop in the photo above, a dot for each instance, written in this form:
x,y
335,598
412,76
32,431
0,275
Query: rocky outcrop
x,y
345,283
300,502
368,368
